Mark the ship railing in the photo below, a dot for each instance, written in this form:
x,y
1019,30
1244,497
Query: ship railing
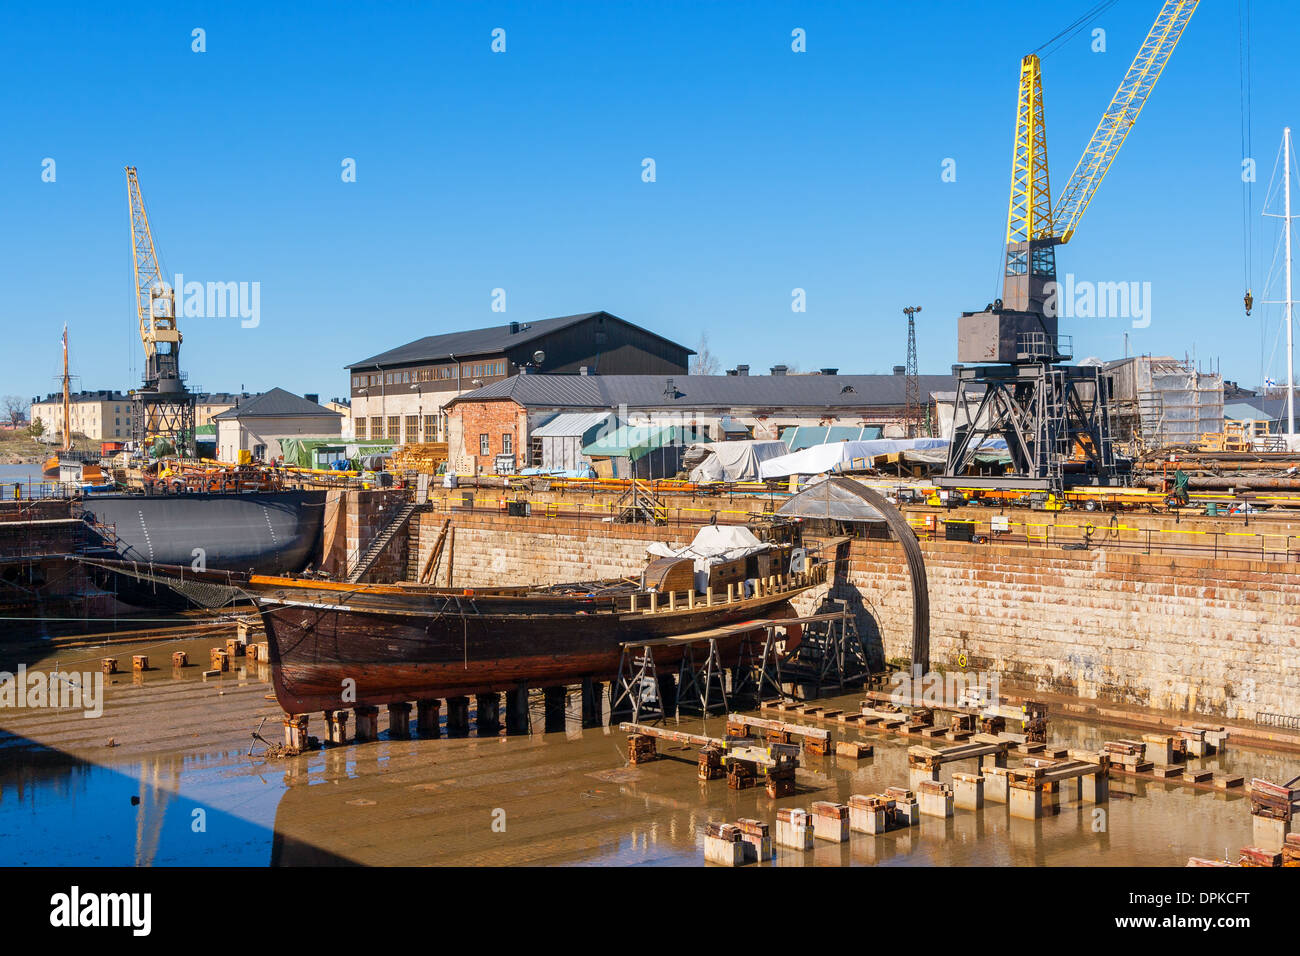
x,y
655,601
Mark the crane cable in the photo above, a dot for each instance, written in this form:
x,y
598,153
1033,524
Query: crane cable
x,y
1247,182
1064,36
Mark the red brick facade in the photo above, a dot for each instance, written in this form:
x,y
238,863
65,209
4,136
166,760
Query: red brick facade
x,y
497,420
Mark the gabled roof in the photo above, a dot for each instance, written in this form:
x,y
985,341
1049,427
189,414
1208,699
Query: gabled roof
x,y
705,391
489,341
277,403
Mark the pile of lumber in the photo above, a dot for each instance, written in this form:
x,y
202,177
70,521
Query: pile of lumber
x,y
420,457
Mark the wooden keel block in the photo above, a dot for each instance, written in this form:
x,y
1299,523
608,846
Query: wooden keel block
x,y
427,717
367,723
295,733
399,720
180,659
108,665
336,726
139,662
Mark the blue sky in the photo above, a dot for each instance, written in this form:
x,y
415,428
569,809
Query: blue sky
x,y
522,170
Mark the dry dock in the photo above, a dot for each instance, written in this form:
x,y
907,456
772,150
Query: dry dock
x,y
179,745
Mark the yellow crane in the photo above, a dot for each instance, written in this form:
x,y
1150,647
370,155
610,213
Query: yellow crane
x,y
1034,228
164,408
1053,418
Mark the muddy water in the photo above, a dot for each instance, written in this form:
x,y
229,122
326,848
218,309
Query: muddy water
x,y
177,786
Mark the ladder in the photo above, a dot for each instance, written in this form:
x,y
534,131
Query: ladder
x,y
368,558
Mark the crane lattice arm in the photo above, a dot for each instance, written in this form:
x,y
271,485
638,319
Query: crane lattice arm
x,y
157,322
1120,116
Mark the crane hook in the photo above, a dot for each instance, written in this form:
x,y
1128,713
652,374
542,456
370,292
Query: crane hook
x,y
1250,300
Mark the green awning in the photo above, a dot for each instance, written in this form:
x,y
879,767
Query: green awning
x,y
635,441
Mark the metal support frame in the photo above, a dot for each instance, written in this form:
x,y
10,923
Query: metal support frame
x,y
829,654
168,415
695,685
1045,413
635,665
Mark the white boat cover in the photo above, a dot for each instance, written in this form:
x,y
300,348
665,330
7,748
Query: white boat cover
x,y
735,460
713,544
842,456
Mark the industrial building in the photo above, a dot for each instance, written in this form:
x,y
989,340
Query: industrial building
x,y
256,424
509,423
399,395
1159,401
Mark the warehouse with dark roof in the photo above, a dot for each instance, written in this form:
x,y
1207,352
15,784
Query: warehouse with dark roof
x,y
399,395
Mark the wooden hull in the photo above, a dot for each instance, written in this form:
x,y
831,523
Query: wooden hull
x,y
430,646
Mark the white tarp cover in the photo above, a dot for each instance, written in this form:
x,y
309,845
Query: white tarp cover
x,y
844,455
735,460
713,544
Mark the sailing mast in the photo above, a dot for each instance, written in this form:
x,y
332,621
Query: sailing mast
x,y
1286,226
67,396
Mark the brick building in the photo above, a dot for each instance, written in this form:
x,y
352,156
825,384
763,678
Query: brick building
x,y
399,395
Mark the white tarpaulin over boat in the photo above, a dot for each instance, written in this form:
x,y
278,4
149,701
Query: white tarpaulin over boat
x,y
735,460
842,456
713,544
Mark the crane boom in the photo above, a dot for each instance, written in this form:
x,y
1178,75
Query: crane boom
x,y
1120,115
154,298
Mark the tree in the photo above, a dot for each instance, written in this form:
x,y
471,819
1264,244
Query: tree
x,y
37,428
705,362
14,408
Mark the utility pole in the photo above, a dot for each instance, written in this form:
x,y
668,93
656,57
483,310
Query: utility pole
x,y
912,419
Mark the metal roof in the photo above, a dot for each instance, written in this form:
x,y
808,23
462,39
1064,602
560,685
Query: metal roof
x,y
487,341
705,391
570,425
829,500
277,403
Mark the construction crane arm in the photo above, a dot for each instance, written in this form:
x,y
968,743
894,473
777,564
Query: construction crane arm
x,y
157,322
1120,115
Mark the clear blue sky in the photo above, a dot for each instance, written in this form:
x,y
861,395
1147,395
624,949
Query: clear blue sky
x,y
522,171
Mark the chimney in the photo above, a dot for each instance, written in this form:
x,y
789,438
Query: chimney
x,y
313,397
780,369
514,328
830,371
900,369
742,370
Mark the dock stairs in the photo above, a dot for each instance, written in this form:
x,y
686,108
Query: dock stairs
x,y
367,558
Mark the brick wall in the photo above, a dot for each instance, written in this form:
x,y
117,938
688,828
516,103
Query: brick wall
x,y
1186,634
468,421
352,520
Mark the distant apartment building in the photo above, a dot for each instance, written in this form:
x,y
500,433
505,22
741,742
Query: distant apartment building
x,y
99,415
398,396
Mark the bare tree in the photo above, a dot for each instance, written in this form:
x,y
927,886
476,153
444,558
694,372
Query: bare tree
x,y
15,409
705,362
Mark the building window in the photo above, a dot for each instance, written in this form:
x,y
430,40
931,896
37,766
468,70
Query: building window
x,y
259,452
484,445
361,429
394,428
507,444
430,427
412,429
376,428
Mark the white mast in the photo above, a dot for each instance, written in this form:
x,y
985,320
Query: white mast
x,y
1286,225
